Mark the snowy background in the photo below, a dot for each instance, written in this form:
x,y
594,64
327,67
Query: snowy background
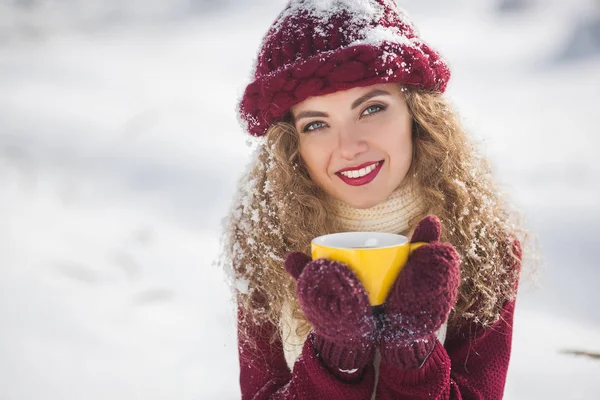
x,y
120,151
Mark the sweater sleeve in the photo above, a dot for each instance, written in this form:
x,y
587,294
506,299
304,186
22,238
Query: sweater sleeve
x,y
468,367
264,373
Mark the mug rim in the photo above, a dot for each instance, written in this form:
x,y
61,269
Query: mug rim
x,y
401,240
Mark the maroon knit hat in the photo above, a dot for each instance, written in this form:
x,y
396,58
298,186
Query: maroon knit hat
x,y
316,47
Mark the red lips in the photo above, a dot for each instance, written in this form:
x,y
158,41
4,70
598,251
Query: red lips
x,y
363,180
357,167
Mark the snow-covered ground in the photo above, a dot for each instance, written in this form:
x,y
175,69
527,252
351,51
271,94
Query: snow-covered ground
x,y
120,151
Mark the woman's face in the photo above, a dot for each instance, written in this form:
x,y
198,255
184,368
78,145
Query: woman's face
x,y
356,144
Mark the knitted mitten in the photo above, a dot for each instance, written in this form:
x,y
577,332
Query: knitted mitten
x,y
421,299
337,305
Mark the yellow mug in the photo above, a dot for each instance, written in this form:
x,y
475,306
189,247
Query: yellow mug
x,y
376,257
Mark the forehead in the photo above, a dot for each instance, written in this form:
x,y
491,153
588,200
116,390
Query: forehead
x,y
343,97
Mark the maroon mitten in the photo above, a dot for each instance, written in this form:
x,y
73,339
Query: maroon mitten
x,y
337,305
421,299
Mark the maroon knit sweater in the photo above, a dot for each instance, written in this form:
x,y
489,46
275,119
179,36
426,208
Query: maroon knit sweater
x,y
472,364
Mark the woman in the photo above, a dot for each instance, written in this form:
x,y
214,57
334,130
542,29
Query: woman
x,y
358,137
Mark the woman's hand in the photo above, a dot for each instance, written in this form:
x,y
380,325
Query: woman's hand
x,y
337,305
421,299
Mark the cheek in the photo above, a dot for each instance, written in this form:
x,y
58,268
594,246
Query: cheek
x,y
406,146
400,146
313,157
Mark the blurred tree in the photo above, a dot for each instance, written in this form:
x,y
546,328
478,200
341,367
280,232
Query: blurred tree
x,y
24,3
584,40
513,5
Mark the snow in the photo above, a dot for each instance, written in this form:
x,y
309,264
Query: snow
x,y
119,156
360,13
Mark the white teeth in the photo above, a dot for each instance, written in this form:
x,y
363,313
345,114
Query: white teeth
x,y
361,172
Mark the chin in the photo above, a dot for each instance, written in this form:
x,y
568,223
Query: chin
x,y
362,203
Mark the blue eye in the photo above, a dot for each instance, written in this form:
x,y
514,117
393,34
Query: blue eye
x,y
373,109
313,126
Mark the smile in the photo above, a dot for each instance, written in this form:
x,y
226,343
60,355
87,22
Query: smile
x,y
360,175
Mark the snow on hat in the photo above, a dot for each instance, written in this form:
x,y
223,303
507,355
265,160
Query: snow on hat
x,y
316,47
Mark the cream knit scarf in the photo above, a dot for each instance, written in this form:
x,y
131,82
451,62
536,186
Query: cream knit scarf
x,y
391,216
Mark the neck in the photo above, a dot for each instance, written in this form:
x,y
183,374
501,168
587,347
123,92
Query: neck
x,y
392,215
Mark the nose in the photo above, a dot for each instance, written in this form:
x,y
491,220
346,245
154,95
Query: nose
x,y
351,143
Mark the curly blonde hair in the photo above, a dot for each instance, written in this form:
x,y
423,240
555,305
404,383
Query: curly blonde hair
x,y
280,209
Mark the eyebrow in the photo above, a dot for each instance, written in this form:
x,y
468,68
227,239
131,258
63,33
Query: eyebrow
x,y
310,114
367,96
356,103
